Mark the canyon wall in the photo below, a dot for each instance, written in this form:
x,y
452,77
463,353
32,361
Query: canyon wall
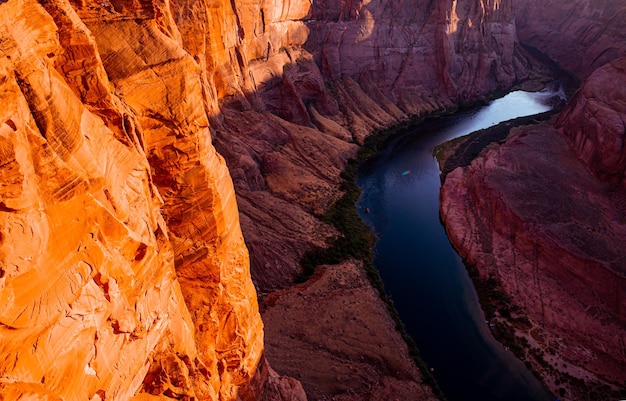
x,y
530,217
581,36
360,66
594,123
124,269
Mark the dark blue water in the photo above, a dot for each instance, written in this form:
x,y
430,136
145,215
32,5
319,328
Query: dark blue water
x,y
423,273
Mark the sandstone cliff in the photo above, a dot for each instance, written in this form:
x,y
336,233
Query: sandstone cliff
x,y
543,214
356,67
594,123
361,65
123,265
579,35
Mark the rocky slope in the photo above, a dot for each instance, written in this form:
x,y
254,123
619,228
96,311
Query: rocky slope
x,y
544,215
358,355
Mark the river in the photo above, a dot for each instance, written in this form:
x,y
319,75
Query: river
x,y
423,273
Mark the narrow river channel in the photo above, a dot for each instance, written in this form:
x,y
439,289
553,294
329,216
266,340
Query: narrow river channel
x,y
423,273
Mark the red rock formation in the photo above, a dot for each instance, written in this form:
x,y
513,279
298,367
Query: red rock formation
x,y
544,213
110,181
356,356
366,65
411,48
579,35
595,122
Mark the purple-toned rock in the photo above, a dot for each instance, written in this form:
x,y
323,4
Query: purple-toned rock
x,y
545,215
595,122
581,36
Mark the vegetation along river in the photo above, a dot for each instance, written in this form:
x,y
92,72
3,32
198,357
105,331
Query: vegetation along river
x,y
421,271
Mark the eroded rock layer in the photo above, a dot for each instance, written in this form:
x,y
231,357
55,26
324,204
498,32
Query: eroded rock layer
x,y
356,356
579,35
595,123
353,67
544,213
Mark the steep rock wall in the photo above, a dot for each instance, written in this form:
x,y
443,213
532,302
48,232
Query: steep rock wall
x,y
529,215
595,122
544,215
89,293
124,268
579,35
351,68
411,49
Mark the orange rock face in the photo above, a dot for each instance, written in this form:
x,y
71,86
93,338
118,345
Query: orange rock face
x,y
123,265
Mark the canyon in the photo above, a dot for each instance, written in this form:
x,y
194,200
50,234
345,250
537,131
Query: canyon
x,y
165,166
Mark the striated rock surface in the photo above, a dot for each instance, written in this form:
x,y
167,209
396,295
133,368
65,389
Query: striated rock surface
x,y
545,215
124,270
579,35
595,123
407,50
353,67
90,298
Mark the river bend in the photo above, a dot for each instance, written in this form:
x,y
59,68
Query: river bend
x,y
421,271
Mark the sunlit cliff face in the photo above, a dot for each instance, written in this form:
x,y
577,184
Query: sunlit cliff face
x,y
110,182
